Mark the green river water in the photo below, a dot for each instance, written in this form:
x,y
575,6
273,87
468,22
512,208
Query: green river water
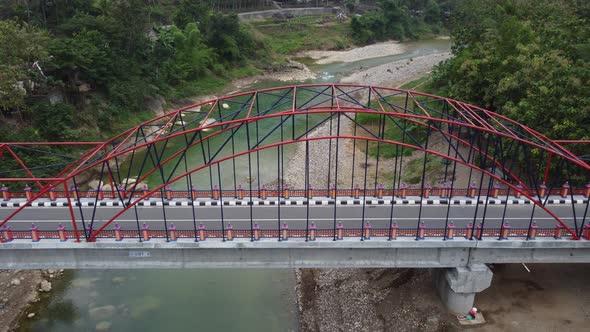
x,y
178,300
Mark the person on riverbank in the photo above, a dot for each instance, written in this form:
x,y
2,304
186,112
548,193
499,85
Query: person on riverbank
x,y
470,315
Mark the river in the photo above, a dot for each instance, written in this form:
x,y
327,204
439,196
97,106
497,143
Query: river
x,y
216,299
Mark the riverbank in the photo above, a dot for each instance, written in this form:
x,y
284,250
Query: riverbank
x,y
396,73
367,299
19,289
356,54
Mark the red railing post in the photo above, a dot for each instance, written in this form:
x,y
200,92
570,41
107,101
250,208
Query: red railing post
x,y
450,231
5,193
427,189
312,229
28,192
71,209
565,189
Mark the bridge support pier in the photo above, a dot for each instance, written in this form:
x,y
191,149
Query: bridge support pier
x,y
457,286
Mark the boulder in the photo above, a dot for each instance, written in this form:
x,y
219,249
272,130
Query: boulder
x,y
103,326
118,280
101,313
15,282
84,87
92,185
206,123
45,286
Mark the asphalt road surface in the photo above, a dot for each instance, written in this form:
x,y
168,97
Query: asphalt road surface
x,y
296,216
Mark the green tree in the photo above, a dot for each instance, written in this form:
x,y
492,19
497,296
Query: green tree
x,y
522,59
22,50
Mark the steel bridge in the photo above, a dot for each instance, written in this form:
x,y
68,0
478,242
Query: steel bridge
x,y
301,163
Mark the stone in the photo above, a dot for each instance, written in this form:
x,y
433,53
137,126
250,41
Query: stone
x,y
84,282
15,282
101,313
145,305
31,315
84,87
155,104
103,326
45,286
207,122
92,185
118,280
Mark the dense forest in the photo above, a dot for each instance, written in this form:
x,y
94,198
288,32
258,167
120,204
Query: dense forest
x,y
80,69
401,19
527,59
84,69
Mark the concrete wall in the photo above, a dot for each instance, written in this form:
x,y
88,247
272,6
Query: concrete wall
x,y
271,254
264,14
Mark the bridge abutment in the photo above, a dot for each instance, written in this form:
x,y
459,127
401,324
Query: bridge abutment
x,y
458,286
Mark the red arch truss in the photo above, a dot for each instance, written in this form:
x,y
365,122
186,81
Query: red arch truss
x,y
479,139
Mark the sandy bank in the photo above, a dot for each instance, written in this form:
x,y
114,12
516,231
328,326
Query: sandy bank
x,y
398,72
356,54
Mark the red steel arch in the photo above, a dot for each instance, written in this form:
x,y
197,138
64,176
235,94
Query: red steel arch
x,y
342,98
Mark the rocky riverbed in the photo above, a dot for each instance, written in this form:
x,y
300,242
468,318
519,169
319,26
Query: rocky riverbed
x,y
364,299
18,290
396,73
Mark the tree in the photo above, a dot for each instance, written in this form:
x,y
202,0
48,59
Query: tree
x,y
522,59
22,49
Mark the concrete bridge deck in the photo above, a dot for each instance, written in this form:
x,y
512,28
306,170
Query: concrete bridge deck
x,y
323,253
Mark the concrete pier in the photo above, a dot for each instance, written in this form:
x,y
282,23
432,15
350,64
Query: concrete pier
x,y
458,286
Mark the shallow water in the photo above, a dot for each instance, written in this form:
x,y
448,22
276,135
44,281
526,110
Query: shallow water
x,y
173,300
207,300
333,72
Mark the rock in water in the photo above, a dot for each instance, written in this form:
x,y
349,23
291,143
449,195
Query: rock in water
x,y
103,326
101,313
31,315
118,280
45,286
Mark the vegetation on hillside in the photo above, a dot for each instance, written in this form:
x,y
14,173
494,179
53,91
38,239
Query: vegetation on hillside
x,y
400,19
527,59
303,33
79,70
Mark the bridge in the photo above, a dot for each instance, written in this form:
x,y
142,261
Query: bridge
x,y
301,176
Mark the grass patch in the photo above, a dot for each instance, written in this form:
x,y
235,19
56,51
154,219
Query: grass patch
x,y
412,173
420,82
304,33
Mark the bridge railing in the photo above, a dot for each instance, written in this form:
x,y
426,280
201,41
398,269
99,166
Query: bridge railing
x,y
311,193
297,233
